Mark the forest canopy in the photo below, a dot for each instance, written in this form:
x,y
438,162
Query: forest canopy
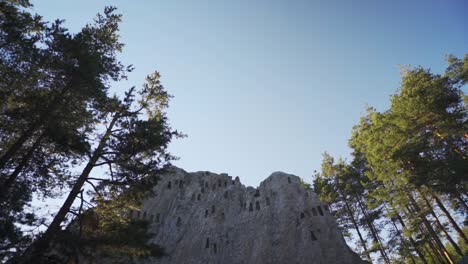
x,y
405,187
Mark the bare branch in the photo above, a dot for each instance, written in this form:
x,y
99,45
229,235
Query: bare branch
x,y
94,187
73,213
111,171
102,163
79,211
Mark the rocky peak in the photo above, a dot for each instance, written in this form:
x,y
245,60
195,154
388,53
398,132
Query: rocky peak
x,y
203,217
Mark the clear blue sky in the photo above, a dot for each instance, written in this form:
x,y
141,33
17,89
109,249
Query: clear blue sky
x,y
265,85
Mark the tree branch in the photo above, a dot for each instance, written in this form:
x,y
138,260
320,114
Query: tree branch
x,y
94,187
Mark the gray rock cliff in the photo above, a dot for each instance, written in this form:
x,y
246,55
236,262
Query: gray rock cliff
x,y
203,217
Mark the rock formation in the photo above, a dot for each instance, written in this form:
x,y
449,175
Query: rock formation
x,y
203,217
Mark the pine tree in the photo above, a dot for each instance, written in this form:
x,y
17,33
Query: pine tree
x,y
55,103
133,148
420,144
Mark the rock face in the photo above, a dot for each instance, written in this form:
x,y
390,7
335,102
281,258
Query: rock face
x,y
204,217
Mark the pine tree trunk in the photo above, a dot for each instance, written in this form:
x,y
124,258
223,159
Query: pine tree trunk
x,y
43,117
415,245
432,252
438,256
373,232
431,231
452,242
402,239
42,244
4,189
452,221
356,226
5,158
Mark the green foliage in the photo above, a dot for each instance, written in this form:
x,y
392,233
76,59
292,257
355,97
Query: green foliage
x,y
55,104
305,185
463,246
106,233
344,187
133,149
117,242
404,159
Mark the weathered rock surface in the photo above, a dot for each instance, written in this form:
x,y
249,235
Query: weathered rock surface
x,y
203,217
